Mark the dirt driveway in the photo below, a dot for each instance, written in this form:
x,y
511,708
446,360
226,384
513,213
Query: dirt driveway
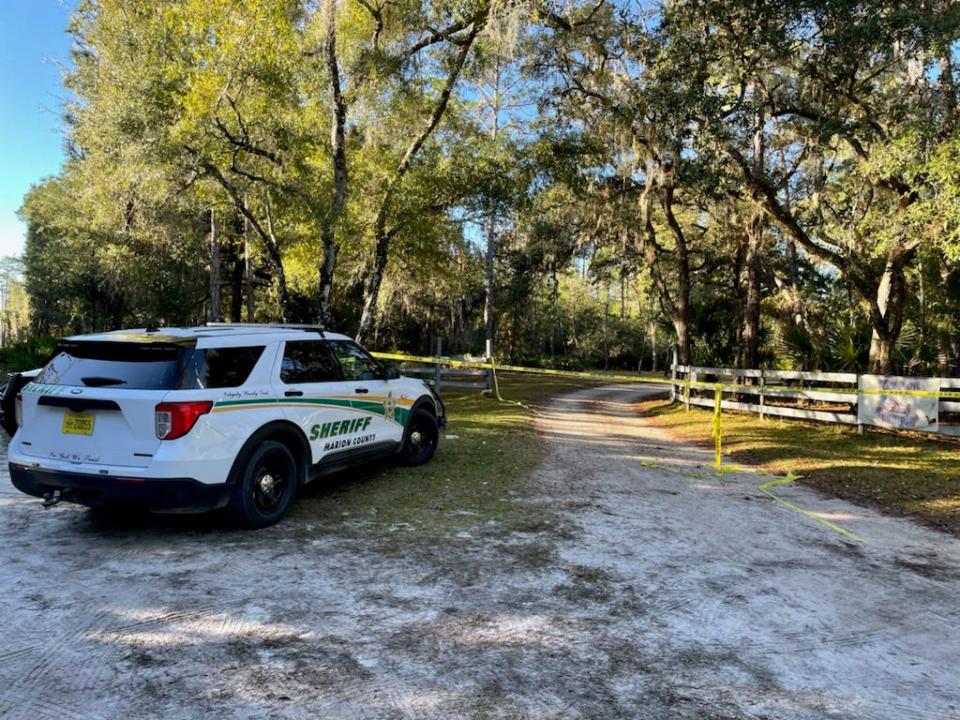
x,y
624,581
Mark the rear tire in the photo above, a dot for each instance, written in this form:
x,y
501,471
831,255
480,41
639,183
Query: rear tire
x,y
265,487
420,438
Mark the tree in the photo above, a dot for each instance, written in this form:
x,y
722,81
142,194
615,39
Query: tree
x,y
466,33
850,86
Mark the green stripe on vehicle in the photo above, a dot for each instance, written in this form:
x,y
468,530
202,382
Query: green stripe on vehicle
x,y
400,414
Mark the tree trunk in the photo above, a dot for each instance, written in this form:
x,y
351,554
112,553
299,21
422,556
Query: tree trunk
x,y
236,286
681,327
882,354
623,274
273,249
489,267
950,281
381,235
554,310
681,314
653,348
887,319
373,289
327,268
328,264
214,269
947,84
282,297
266,235
606,337
248,270
739,262
751,314
793,281
623,294
677,308
751,309
488,286
885,297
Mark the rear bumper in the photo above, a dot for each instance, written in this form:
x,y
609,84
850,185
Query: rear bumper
x,y
98,490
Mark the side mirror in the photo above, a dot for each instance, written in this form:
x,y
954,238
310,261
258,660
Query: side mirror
x,y
391,372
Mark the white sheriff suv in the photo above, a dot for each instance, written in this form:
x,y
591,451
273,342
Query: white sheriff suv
x,y
235,416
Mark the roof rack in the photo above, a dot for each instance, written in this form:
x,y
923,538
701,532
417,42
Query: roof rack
x,y
279,326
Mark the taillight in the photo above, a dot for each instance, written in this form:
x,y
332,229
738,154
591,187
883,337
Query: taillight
x,y
18,410
176,419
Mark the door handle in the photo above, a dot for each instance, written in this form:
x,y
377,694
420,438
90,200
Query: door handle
x,y
293,393
361,391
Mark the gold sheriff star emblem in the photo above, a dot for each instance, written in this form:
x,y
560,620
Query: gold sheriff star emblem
x,y
389,407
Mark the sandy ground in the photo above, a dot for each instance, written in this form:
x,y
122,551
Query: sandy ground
x,y
638,585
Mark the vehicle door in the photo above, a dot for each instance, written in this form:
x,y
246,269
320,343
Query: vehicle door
x,y
315,397
365,377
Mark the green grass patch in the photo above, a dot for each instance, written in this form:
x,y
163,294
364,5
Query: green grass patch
x,y
473,480
898,474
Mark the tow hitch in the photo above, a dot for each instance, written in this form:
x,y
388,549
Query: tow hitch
x,y
51,498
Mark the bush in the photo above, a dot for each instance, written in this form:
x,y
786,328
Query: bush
x,y
27,354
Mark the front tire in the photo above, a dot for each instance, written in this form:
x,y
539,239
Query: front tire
x,y
420,439
265,487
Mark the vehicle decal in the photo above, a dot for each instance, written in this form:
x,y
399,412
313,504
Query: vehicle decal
x,y
339,427
42,389
343,433
387,406
343,443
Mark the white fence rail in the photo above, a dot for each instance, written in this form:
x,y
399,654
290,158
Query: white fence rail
x,y
448,377
439,375
846,398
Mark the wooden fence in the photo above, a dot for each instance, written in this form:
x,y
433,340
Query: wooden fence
x,y
440,376
820,396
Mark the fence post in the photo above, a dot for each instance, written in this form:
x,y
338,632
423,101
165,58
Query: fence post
x,y
437,367
763,384
859,401
691,378
673,378
489,349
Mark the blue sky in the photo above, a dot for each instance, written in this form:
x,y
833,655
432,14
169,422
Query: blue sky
x,y
33,51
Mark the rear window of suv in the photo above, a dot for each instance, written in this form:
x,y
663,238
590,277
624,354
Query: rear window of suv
x,y
149,366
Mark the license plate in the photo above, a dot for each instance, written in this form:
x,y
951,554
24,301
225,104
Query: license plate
x,y
77,424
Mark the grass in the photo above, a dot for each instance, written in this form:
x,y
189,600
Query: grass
x,y
897,474
471,480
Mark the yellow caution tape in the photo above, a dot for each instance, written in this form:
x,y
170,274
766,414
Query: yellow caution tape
x,y
496,391
477,365
777,482
717,430
687,382
668,468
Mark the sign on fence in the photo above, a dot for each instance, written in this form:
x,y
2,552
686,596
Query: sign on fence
x,y
882,406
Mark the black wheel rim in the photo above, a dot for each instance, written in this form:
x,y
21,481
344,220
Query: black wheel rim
x,y
422,437
271,482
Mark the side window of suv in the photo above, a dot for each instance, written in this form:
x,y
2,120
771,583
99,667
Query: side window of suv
x,y
355,363
220,367
308,361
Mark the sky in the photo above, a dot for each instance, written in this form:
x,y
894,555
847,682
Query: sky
x,y
34,48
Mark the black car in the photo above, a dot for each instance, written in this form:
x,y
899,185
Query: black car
x,y
8,399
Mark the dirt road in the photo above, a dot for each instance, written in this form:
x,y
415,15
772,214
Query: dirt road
x,y
627,581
